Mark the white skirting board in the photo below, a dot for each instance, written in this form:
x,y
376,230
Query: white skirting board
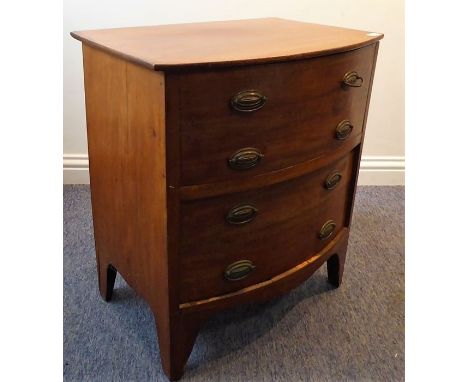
x,y
375,170
382,171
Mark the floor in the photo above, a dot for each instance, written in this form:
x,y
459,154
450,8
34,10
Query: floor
x,y
315,333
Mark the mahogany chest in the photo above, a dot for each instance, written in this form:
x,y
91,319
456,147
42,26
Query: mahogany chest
x,y
223,159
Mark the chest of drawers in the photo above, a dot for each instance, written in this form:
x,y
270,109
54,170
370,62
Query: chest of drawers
x,y
223,161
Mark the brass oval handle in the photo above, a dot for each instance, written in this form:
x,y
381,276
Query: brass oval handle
x,y
241,214
239,270
245,158
343,130
248,100
352,79
327,230
332,180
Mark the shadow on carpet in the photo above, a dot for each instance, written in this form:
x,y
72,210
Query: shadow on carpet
x,y
314,333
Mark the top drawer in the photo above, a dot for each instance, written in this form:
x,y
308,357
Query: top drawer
x,y
305,101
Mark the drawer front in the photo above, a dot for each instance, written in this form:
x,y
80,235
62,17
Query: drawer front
x,y
260,233
235,123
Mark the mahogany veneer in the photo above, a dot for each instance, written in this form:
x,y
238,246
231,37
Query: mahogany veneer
x,y
223,161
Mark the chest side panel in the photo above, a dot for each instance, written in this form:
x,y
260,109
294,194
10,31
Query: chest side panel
x,y
126,142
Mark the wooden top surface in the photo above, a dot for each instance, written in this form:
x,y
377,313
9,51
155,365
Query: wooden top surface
x,y
225,43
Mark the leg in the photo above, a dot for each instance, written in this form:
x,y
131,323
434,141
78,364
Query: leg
x,y
176,341
335,267
106,279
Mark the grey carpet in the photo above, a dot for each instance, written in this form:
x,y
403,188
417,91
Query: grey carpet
x,y
315,333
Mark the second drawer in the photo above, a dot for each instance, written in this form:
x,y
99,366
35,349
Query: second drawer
x,y
233,241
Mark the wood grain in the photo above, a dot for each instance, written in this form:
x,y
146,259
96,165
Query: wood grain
x,y
125,112
360,147
277,285
158,144
283,234
236,42
306,100
126,144
207,190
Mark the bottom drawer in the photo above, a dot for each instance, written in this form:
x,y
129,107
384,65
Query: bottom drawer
x,y
236,240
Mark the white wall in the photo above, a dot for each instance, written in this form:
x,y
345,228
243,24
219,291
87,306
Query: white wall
x,y
383,156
